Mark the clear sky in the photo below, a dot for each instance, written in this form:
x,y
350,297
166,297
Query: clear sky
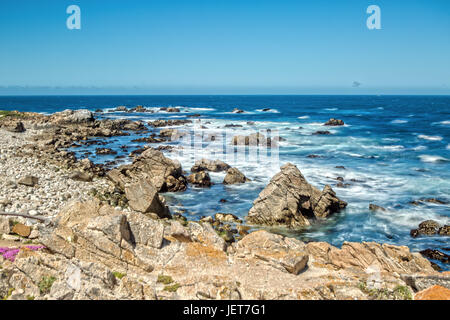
x,y
226,46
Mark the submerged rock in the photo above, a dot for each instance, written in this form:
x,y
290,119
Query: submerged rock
x,y
435,255
374,207
290,200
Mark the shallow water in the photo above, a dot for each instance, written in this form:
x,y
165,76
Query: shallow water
x,y
396,148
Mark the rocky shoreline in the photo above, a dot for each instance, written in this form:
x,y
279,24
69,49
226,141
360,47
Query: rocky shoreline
x,y
99,232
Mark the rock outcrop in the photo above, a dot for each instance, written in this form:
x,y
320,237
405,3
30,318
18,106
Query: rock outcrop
x,y
200,179
289,200
163,173
209,165
143,197
234,176
430,227
96,252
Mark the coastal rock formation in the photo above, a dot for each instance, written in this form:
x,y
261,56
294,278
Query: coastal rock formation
x,y
290,200
96,252
430,227
72,116
435,292
334,122
234,176
286,254
163,173
143,197
201,179
209,165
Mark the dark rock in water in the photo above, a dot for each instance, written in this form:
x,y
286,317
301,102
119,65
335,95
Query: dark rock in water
x,y
201,179
209,165
223,200
29,181
105,151
171,109
340,167
313,156
266,109
290,200
429,200
99,111
195,115
251,123
236,110
233,126
374,207
435,255
121,109
334,122
428,227
444,231
340,179
234,176
322,132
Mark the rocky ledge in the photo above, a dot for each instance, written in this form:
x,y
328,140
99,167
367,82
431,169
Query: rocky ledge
x,y
72,230
93,251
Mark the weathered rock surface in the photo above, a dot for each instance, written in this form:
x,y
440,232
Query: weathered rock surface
x,y
234,176
209,165
163,173
96,252
290,200
433,293
201,179
428,228
29,181
143,197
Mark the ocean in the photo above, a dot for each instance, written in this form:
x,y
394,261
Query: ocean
x,y
395,149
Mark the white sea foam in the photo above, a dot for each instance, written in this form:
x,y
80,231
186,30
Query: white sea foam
x,y
430,138
200,109
303,117
448,147
331,109
432,159
446,122
399,121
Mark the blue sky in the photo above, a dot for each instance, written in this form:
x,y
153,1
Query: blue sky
x,y
227,46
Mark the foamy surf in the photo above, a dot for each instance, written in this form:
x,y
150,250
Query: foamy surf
x,y
430,138
432,159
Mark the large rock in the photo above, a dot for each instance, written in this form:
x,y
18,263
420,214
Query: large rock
x,y
201,179
143,197
283,253
290,200
209,165
234,176
163,173
384,257
428,227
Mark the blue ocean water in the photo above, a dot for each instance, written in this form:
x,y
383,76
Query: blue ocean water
x,y
395,149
